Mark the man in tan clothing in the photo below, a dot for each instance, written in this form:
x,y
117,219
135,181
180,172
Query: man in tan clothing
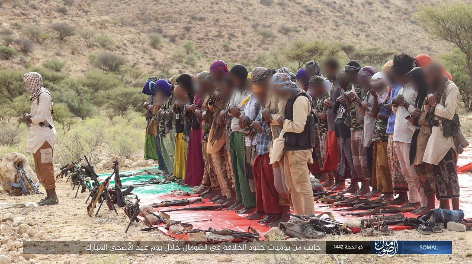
x,y
296,142
42,135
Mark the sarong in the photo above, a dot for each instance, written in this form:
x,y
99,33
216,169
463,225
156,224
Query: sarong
x,y
445,176
346,167
167,152
399,182
331,152
195,164
359,157
267,197
180,156
241,183
223,171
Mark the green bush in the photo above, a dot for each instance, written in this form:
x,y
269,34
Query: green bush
x,y
265,33
105,42
189,47
6,53
50,77
24,45
55,65
109,61
99,81
35,34
11,85
63,116
191,60
87,35
77,97
155,40
8,40
124,98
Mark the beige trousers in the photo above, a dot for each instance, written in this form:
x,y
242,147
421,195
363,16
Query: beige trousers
x,y
415,191
297,178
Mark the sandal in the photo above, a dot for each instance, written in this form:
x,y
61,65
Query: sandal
x,y
424,229
47,201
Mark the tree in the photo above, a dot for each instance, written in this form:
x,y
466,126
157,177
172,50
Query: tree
x,y
348,49
301,51
11,85
455,63
452,23
63,29
371,56
63,116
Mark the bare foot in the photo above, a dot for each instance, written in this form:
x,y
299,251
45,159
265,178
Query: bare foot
x,y
255,216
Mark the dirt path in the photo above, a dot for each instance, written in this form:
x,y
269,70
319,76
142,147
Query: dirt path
x,y
69,221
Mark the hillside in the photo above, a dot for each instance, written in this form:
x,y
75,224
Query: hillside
x,y
237,31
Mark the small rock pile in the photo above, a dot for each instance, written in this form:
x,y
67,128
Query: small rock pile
x,y
13,231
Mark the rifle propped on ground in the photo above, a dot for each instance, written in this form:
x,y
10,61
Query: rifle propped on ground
x,y
22,177
99,192
132,210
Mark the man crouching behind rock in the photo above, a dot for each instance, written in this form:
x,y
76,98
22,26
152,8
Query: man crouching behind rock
x,y
42,134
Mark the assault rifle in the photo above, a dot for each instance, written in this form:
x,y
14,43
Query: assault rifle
x,y
132,210
326,225
382,220
118,185
64,170
21,174
185,201
363,206
99,192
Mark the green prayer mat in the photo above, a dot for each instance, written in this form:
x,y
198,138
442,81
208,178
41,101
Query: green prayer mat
x,y
143,190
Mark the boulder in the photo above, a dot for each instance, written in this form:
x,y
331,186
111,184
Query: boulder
x,y
7,216
23,229
275,234
5,259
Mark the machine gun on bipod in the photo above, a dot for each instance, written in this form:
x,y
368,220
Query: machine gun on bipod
x,y
99,193
22,179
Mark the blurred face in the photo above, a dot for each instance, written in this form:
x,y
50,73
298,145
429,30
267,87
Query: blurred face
x,y
317,90
343,81
226,89
365,83
284,93
236,81
401,79
217,76
261,94
310,72
378,85
180,94
351,77
330,72
390,77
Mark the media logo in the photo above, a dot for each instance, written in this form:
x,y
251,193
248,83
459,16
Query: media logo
x,y
386,247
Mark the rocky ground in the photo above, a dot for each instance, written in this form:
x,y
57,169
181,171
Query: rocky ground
x,y
69,221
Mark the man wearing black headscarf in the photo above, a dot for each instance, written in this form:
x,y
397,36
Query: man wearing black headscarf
x,y
244,193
